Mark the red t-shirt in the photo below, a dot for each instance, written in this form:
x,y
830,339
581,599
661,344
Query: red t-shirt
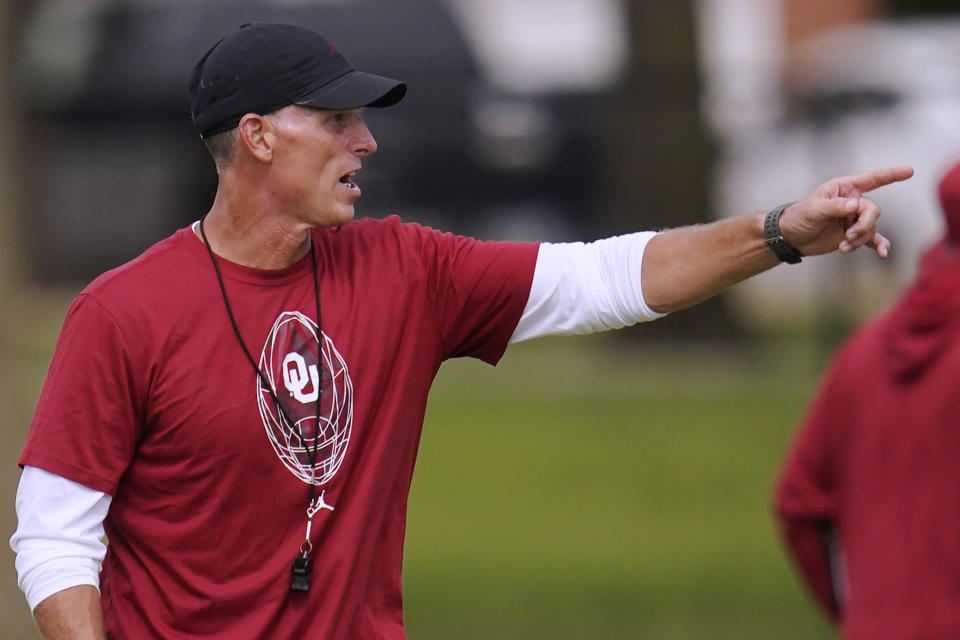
x,y
151,399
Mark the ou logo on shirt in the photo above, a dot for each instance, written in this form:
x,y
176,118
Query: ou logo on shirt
x,y
297,377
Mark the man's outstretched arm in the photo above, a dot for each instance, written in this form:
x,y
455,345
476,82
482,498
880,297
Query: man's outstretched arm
x,y
684,266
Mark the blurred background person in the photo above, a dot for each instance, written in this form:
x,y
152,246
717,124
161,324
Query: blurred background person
x,y
867,499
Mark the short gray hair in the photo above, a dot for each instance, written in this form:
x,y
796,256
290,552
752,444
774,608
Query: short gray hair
x,y
222,146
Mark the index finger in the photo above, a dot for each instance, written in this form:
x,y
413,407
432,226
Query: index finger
x,y
870,180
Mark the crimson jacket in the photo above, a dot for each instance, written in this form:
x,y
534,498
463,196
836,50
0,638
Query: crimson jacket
x,y
868,500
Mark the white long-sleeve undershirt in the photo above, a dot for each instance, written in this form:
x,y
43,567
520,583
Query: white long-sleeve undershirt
x,y
59,536
577,288
586,287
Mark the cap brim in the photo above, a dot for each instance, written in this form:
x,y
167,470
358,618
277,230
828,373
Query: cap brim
x,y
353,90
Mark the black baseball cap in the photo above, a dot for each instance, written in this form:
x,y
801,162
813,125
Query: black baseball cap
x,y
263,67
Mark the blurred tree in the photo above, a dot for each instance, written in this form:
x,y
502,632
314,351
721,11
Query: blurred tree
x,y
658,151
15,616
9,265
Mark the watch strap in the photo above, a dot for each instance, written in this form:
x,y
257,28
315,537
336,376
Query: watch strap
x,y
775,241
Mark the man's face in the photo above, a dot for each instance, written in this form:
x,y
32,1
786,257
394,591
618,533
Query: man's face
x,y
316,156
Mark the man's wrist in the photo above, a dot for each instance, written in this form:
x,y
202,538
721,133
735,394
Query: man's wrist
x,y
773,237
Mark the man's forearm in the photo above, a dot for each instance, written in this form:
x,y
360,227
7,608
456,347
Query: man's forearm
x,y
73,614
684,266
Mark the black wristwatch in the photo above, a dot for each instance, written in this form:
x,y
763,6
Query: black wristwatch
x,y
775,241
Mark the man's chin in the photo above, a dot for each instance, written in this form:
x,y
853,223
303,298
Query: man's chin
x,y
339,217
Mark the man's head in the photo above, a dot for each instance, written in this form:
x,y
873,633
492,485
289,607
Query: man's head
x,y
284,103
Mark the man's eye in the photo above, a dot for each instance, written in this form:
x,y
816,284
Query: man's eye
x,y
343,120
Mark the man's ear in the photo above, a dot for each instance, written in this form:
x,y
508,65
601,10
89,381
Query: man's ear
x,y
257,137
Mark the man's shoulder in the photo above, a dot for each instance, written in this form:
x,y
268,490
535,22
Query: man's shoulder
x,y
390,234
389,226
403,232
162,263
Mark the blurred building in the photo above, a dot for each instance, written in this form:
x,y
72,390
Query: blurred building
x,y
803,91
528,119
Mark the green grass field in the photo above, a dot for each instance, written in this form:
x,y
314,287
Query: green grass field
x,y
591,489
585,488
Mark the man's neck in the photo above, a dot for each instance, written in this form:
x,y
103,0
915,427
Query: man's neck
x,y
254,240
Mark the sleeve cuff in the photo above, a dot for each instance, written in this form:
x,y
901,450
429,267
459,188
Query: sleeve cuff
x,y
54,576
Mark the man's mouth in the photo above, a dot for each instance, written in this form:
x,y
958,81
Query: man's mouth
x,y
348,180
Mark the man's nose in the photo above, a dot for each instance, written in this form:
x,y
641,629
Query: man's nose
x,y
364,143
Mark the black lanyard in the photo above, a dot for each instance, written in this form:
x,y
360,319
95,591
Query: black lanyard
x,y
301,562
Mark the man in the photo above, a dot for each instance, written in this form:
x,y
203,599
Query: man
x,y
867,498
239,408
